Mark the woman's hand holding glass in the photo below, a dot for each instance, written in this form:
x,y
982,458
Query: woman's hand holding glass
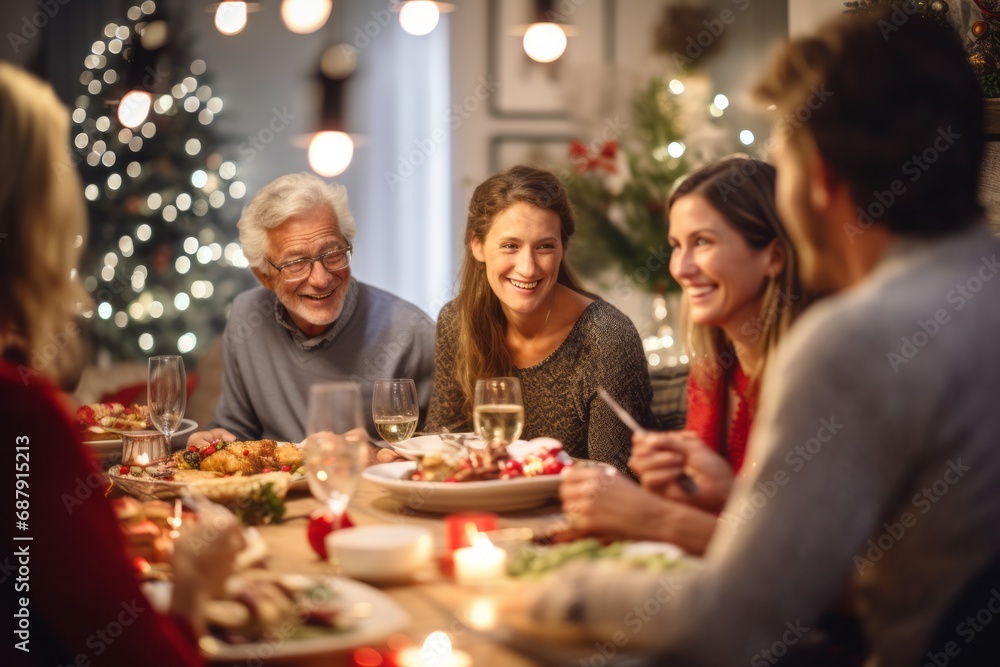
x,y
659,457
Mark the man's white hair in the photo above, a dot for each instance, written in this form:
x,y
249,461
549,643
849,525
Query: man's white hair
x,y
288,196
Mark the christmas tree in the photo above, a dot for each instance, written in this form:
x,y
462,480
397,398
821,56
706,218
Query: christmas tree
x,y
619,192
619,185
619,188
163,260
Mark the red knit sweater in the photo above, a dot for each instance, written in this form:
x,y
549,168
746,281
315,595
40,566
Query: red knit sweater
x,y
706,413
82,595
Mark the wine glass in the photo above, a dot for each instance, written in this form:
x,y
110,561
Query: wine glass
x,y
336,445
166,392
395,409
498,411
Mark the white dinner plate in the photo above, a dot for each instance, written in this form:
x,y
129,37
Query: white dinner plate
x,y
378,617
500,495
106,449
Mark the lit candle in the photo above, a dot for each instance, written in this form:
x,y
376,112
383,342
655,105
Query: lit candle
x,y
436,652
457,530
138,466
481,563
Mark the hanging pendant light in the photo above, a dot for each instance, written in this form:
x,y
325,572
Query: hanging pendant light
x,y
305,16
331,149
420,17
545,40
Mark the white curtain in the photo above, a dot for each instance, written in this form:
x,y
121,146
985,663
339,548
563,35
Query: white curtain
x,y
400,179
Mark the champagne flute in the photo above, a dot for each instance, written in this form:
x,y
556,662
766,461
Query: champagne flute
x,y
498,411
166,392
336,445
395,409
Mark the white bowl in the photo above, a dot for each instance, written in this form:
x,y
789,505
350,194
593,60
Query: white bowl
x,y
380,553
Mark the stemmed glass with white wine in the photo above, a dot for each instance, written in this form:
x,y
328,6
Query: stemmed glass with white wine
x,y
395,409
166,393
336,448
498,411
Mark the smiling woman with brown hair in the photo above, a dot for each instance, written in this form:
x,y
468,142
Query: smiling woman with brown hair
x,y
520,312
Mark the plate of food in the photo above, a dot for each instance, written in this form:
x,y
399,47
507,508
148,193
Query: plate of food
x,y
101,425
267,616
224,472
526,475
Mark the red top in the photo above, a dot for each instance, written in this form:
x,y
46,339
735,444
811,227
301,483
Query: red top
x,y
81,591
706,414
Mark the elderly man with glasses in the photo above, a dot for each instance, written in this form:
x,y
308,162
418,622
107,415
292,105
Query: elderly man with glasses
x,y
311,321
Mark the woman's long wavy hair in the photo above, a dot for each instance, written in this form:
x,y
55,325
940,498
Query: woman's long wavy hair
x,y
42,223
482,349
742,190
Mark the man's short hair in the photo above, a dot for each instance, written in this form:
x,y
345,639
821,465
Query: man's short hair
x,y
894,108
287,196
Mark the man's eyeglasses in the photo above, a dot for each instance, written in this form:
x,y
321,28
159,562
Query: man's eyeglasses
x,y
297,269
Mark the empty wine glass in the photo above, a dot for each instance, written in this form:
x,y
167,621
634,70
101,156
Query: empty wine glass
x,y
336,445
166,392
395,409
498,411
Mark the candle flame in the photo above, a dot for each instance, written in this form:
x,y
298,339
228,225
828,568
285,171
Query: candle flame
x,y
481,543
436,651
482,614
142,459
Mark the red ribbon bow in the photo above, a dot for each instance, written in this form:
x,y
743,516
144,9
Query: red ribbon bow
x,y
585,161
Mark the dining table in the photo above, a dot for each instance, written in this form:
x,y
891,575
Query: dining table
x,y
474,618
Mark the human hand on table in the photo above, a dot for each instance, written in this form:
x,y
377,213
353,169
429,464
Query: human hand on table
x,y
203,559
386,455
601,502
659,457
205,438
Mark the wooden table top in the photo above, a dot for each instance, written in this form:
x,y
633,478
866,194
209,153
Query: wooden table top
x,y
434,602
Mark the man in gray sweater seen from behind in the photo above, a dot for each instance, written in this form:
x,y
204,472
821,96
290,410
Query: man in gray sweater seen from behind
x,y
873,458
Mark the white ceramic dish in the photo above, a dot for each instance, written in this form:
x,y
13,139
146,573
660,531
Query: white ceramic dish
x,y
414,448
502,495
108,449
382,553
378,617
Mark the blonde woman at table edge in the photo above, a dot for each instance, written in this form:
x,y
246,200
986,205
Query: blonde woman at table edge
x,y
82,584
520,312
737,267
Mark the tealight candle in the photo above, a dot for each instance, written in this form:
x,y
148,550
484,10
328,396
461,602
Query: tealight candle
x,y
140,448
436,652
458,528
481,563
457,531
138,466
